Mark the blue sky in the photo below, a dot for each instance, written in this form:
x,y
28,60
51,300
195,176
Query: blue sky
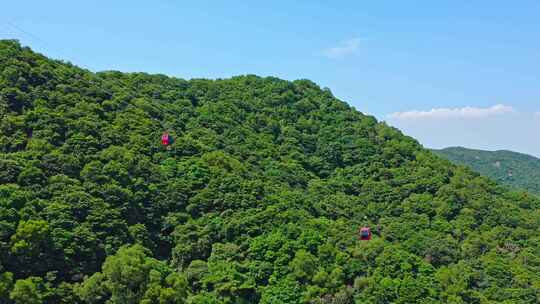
x,y
403,62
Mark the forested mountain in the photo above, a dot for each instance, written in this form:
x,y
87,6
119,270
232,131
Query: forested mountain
x,y
510,168
258,200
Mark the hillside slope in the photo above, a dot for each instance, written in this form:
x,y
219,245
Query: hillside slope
x,y
259,199
510,168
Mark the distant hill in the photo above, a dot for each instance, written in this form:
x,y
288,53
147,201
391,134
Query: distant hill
x,y
510,168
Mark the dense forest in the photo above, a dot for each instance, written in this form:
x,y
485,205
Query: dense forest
x,y
513,169
258,200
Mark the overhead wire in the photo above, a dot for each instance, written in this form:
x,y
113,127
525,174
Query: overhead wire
x,y
44,43
35,38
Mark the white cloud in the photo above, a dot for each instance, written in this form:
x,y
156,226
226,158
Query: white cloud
x,y
443,113
347,47
491,128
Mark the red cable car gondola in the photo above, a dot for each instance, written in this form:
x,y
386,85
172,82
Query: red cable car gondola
x,y
365,234
165,139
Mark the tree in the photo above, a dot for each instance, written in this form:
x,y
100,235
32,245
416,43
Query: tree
x,y
6,284
33,246
29,291
132,276
303,265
